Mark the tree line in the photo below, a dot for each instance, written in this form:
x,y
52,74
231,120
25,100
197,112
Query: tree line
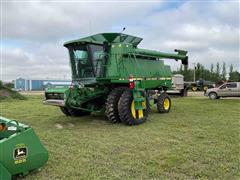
x,y
214,74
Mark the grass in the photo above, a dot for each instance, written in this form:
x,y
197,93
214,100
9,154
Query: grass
x,y
198,139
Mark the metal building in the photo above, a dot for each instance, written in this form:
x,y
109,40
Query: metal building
x,y
38,84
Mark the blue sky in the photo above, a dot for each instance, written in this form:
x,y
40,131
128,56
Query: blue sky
x,y
33,32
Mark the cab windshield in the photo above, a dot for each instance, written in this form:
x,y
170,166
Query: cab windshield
x,y
86,60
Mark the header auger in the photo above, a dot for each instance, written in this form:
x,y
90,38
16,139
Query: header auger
x,y
110,73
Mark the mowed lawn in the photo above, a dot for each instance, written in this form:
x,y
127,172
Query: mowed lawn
x,y
198,139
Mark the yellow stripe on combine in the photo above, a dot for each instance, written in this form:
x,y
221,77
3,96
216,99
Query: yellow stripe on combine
x,y
150,78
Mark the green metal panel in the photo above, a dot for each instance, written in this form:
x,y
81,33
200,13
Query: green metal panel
x,y
123,62
4,174
20,149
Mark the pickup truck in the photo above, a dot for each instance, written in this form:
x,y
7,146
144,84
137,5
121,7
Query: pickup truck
x,y
230,89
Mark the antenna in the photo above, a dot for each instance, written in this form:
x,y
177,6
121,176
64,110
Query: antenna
x,y
121,34
123,30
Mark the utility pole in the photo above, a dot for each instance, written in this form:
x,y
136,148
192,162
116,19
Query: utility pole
x,y
194,76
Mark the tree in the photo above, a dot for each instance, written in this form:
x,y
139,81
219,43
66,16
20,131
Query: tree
x,y
217,72
224,73
231,69
234,76
1,84
9,85
211,69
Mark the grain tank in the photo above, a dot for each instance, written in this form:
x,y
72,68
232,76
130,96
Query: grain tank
x,y
111,74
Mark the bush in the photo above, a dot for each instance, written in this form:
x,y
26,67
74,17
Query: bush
x,y
7,93
1,84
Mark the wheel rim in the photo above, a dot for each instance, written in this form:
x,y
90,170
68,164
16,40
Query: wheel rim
x,y
166,104
194,88
135,112
212,96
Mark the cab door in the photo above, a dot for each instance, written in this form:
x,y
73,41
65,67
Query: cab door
x,y
222,90
232,89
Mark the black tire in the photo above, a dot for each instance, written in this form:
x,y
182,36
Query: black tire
x,y
182,92
164,103
74,112
213,95
65,111
125,109
194,88
112,105
185,92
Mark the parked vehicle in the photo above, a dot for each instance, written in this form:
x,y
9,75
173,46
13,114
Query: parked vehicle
x,y
200,85
231,89
110,73
179,87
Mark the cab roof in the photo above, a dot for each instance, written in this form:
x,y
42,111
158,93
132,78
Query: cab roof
x,y
108,37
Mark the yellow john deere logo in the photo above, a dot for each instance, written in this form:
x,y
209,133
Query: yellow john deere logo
x,y
20,154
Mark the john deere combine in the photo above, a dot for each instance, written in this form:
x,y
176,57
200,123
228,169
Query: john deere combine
x,y
20,150
110,73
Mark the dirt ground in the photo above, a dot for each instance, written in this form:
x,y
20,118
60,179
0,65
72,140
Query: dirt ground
x,y
196,94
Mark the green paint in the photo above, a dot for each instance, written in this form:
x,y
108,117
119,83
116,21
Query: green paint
x,y
106,60
20,149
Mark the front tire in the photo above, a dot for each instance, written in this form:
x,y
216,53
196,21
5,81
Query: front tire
x,y
65,111
74,112
127,112
213,96
164,103
112,105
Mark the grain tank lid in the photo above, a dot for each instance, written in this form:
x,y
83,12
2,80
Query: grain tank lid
x,y
110,38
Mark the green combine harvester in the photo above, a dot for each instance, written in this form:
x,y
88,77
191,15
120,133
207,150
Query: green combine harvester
x,y
111,74
21,151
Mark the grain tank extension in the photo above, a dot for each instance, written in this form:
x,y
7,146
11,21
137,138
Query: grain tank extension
x,y
111,74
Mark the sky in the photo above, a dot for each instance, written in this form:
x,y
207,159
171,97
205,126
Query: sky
x,y
33,32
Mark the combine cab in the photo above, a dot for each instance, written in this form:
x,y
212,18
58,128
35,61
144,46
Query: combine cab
x,y
20,150
111,74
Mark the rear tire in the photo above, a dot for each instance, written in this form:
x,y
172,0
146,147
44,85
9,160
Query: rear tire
x,y
164,103
205,88
127,112
112,105
194,88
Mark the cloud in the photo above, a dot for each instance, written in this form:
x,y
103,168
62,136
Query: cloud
x,y
50,21
33,32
